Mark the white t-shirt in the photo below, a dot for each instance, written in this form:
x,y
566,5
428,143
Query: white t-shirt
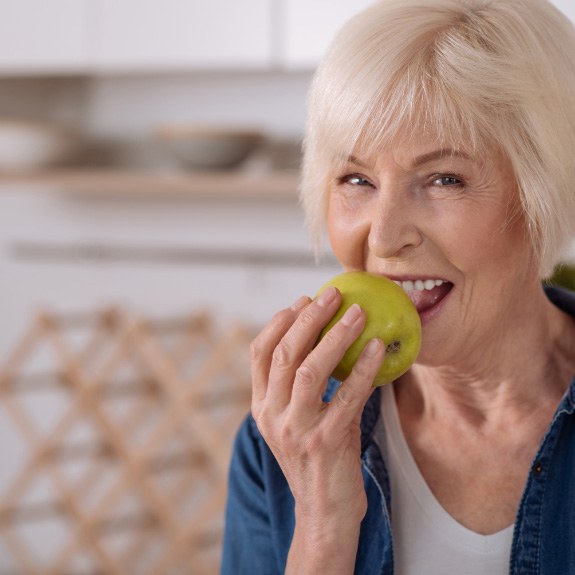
x,y
426,539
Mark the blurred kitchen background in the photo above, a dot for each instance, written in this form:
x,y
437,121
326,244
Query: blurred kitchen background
x,y
149,224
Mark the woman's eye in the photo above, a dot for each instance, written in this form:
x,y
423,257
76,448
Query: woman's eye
x,y
447,180
355,180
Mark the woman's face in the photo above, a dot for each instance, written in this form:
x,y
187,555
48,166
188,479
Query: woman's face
x,y
446,225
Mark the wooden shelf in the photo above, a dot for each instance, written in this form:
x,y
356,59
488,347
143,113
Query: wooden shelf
x,y
279,185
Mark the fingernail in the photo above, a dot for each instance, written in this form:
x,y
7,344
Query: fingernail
x,y
373,347
327,297
351,315
300,303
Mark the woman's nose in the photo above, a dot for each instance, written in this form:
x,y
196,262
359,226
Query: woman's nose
x,y
394,231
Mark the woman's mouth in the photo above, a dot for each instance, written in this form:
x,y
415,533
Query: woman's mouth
x,y
425,293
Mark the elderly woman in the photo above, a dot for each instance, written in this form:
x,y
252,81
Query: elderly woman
x,y
439,147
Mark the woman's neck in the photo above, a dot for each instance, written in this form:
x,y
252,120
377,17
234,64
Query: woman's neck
x,y
526,367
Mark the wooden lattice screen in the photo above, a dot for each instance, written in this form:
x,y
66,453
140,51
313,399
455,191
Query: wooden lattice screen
x,y
129,476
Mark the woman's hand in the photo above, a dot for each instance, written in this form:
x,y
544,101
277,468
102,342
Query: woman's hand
x,y
316,444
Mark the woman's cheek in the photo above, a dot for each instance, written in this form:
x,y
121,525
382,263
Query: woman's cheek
x,y
348,233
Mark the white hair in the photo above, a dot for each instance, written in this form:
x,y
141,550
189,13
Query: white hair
x,y
481,74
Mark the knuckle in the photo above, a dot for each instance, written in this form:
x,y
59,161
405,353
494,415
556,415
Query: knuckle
x,y
314,442
307,319
306,375
286,435
281,357
332,338
363,370
255,350
370,374
263,420
366,368
261,345
279,323
346,396
282,318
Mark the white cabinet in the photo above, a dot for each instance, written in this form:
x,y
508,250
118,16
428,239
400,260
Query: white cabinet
x,y
60,36
43,36
309,26
54,36
180,34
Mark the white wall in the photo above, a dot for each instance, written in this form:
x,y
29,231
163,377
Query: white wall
x,y
135,105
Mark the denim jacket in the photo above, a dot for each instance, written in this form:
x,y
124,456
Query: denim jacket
x,y
260,508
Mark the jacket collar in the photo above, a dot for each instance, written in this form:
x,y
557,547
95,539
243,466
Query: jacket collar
x,y
564,299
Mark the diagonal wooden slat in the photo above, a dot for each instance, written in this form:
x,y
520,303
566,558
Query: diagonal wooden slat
x,y
167,445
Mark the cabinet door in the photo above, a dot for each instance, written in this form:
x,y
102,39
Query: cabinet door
x,y
183,34
309,26
43,36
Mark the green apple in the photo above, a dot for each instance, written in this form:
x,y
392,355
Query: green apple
x,y
390,316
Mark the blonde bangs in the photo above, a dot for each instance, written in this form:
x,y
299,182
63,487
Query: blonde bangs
x,y
481,76
350,114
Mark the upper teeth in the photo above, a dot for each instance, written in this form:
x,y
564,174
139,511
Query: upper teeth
x,y
419,285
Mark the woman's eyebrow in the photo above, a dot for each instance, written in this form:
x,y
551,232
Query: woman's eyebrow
x,y
423,158
437,154
354,160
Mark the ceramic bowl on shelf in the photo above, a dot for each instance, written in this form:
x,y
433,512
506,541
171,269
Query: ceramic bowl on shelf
x,y
29,146
210,148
